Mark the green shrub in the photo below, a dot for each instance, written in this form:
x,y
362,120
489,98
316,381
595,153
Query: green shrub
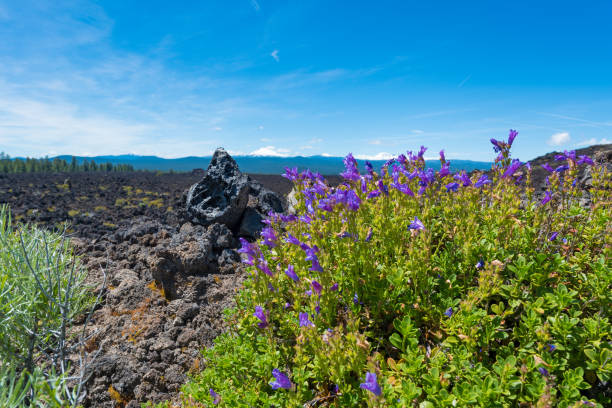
x,y
42,291
422,288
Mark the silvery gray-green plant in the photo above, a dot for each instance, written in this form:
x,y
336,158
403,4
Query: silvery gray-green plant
x,y
42,291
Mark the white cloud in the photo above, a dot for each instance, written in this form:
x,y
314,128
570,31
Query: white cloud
x,y
593,141
417,131
559,139
326,155
260,127
271,151
274,54
265,139
375,142
218,128
378,156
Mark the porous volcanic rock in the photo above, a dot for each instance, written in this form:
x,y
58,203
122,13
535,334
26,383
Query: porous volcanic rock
x,y
227,196
222,194
163,299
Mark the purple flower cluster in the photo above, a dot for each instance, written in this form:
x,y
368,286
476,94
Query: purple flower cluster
x,y
280,380
371,384
403,174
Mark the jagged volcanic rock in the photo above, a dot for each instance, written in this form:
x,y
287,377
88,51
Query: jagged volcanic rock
x,y
226,196
221,196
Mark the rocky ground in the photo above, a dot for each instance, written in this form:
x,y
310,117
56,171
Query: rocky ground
x,y
166,244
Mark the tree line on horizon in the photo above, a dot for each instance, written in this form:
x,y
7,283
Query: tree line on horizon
x,y
56,165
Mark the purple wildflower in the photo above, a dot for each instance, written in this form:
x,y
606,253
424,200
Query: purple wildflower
x,y
551,347
291,174
288,218
480,264
444,170
282,381
316,266
553,236
356,299
512,136
497,145
287,305
483,180
334,287
326,204
452,186
547,198
512,168
442,157
351,172
304,321
374,193
416,224
316,287
292,240
371,384
263,266
352,200
259,313
382,187
216,397
585,159
369,168
247,248
448,312
543,371
561,168
547,167
422,152
305,218
269,236
309,293
464,178
290,271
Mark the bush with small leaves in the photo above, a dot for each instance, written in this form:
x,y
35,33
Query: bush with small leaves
x,y
413,287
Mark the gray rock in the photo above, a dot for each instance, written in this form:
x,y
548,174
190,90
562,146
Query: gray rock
x,y
292,201
228,258
251,223
220,236
221,196
269,201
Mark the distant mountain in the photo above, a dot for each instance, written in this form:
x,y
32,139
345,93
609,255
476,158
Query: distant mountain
x,y
261,164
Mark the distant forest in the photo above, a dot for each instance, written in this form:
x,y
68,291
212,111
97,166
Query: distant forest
x,y
56,165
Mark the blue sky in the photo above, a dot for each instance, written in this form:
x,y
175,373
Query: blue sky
x,y
303,77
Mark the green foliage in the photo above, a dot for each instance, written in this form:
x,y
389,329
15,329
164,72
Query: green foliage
x,y
41,292
46,165
485,306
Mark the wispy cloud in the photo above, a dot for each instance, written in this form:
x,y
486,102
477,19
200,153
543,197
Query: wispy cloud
x,y
274,54
593,141
375,142
559,139
255,5
580,120
467,78
434,114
